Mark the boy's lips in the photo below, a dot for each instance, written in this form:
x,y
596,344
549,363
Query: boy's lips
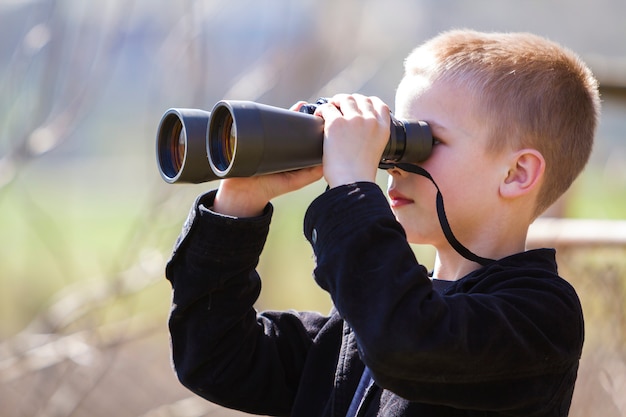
x,y
398,200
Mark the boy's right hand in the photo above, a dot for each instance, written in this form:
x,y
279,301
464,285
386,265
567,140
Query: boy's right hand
x,y
247,197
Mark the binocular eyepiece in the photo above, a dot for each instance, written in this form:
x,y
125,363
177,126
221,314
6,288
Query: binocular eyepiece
x,y
244,139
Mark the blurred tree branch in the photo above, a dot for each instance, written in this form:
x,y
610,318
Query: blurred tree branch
x,y
54,86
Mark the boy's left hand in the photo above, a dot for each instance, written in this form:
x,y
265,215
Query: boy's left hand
x,y
356,131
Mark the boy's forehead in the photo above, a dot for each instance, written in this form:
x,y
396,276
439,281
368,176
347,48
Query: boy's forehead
x,y
414,89
437,102
411,88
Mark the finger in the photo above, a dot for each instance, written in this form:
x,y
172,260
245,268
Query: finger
x,y
381,107
298,106
361,105
372,105
294,180
328,111
348,104
308,175
337,99
343,102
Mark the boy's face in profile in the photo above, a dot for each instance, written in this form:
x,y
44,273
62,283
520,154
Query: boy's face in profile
x,y
467,175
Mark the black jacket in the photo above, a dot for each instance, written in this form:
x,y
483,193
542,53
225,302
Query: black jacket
x,y
503,341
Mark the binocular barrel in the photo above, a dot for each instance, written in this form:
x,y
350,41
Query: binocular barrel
x,y
244,138
247,139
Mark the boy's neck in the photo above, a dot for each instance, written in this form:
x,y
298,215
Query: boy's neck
x,y
451,266
451,272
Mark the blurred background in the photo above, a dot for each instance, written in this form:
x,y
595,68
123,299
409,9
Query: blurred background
x,y
87,224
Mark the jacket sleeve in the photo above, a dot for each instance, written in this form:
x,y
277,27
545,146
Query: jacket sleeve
x,y
222,349
509,342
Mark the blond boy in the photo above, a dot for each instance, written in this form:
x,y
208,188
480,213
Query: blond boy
x,y
498,333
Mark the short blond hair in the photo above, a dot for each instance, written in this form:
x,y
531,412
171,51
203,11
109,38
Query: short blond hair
x,y
534,93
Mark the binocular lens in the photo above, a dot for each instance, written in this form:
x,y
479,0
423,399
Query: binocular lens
x,y
173,144
223,140
178,150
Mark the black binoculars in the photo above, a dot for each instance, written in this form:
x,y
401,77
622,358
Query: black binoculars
x,y
244,139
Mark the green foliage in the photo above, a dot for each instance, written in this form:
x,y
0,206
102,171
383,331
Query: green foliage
x,y
599,193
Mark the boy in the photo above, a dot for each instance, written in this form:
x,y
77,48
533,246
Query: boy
x,y
493,332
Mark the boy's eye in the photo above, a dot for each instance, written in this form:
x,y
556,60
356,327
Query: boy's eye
x,y
436,141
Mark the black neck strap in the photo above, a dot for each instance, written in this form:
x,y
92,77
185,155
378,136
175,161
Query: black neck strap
x,y
443,220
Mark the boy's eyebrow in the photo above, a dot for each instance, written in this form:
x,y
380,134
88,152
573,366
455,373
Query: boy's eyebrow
x,y
441,131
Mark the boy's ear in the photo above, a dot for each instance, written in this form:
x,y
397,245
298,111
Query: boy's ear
x,y
525,172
